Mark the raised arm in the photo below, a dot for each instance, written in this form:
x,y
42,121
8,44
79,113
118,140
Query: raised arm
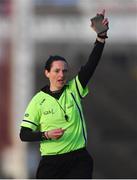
x,y
88,69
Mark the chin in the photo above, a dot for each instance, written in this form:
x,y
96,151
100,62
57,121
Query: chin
x,y
61,86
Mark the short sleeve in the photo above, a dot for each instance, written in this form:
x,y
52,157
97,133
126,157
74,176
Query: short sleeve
x,y
32,114
82,91
77,88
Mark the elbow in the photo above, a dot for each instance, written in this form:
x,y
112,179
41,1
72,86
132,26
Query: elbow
x,y
25,134
21,136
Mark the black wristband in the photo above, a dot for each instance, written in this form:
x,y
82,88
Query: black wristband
x,y
43,136
102,36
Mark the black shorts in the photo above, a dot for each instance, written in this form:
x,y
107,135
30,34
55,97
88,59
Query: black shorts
x,y
73,165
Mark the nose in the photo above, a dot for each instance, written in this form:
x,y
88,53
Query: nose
x,y
61,74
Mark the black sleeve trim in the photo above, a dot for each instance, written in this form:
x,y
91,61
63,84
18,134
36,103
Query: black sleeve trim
x,y
30,122
78,88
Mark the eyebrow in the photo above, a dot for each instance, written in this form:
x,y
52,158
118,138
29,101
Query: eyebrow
x,y
65,69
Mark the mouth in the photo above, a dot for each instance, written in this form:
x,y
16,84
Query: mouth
x,y
61,81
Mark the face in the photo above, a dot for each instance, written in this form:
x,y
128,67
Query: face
x,y
57,75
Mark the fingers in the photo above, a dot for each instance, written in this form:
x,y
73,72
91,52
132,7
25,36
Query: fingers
x,y
105,21
92,25
102,12
56,133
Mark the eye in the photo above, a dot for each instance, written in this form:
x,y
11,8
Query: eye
x,y
56,70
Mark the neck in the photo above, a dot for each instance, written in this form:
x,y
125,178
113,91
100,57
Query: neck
x,y
54,90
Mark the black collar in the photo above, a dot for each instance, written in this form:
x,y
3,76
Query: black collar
x,y
55,94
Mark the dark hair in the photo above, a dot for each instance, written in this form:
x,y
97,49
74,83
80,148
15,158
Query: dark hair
x,y
51,59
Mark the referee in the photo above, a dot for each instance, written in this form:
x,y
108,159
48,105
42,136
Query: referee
x,y
54,117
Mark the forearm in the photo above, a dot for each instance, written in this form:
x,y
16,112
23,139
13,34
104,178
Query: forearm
x,y
88,69
26,134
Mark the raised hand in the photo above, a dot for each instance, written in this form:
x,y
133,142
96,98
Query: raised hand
x,y
100,24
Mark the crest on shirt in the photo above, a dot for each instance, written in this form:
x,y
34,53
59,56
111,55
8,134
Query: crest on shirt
x,y
26,115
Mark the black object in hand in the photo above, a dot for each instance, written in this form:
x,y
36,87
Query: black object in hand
x,y
97,24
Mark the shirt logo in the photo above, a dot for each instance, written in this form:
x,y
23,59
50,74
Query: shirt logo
x,y
51,111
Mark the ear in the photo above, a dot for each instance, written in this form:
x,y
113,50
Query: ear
x,y
46,73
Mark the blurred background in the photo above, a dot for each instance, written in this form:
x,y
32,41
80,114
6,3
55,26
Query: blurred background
x,y
32,30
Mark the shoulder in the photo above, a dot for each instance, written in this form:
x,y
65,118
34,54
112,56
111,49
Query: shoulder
x,y
76,87
40,94
38,97
72,83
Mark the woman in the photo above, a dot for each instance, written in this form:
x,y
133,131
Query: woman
x,y
55,117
